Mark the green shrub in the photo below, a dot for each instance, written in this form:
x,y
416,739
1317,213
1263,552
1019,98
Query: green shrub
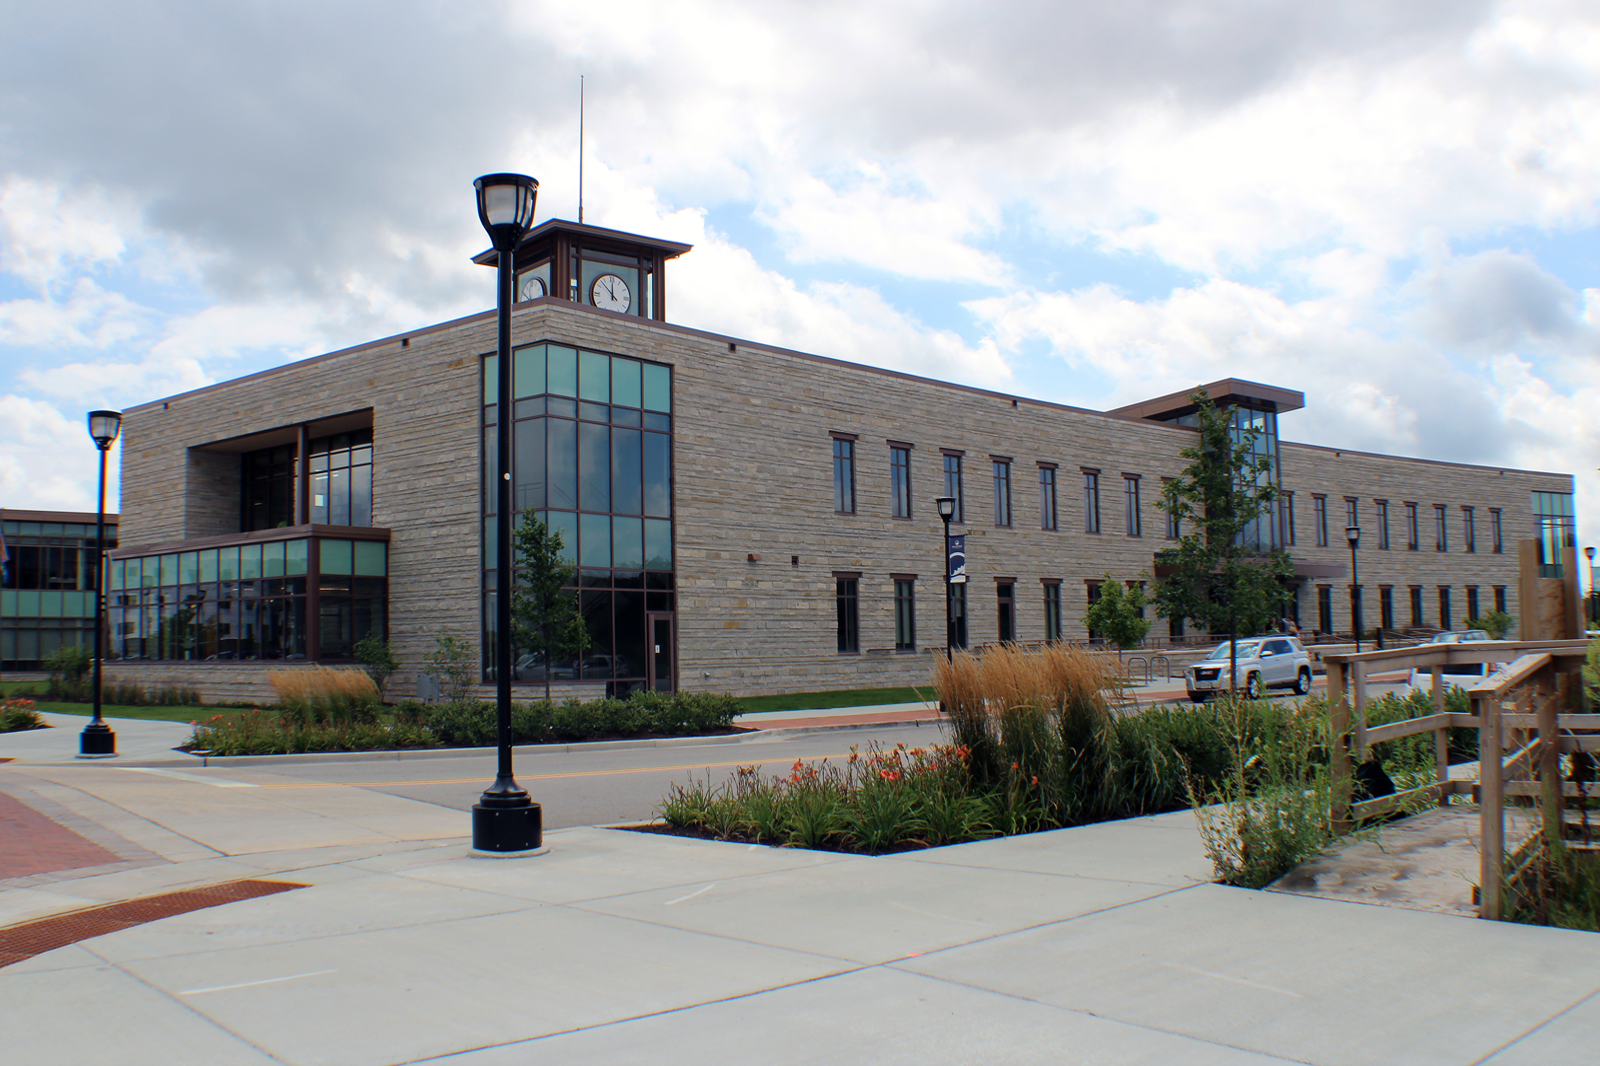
x,y
70,662
17,715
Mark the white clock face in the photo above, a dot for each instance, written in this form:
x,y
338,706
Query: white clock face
x,y
530,287
610,293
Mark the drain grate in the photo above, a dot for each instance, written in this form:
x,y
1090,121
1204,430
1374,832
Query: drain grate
x,y
24,941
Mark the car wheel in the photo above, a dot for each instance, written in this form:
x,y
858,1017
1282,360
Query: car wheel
x,y
1302,681
1252,686
1199,697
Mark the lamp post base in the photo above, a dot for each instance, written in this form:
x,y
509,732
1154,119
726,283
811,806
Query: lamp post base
x,y
507,828
97,739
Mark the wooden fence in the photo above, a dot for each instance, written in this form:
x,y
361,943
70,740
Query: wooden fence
x,y
1525,706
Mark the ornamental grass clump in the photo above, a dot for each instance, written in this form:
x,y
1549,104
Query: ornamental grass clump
x,y
322,695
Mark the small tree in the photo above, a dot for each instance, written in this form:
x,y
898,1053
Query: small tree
x,y
1118,615
70,662
1496,623
378,659
545,620
452,664
1216,578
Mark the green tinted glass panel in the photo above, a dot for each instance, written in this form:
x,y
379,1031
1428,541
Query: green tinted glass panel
x,y
150,574
566,524
657,387
272,559
208,565
169,569
529,371
27,603
627,544
188,568
657,544
625,382
594,540
491,540
295,555
114,580
491,378
336,557
50,603
594,377
250,562
227,564
562,370
371,558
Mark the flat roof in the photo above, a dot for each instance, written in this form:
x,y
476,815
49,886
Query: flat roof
x,y
17,514
545,230
1228,390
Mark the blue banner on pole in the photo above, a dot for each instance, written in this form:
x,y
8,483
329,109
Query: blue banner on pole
x,y
958,558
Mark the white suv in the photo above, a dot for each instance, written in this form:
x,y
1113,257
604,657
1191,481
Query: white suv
x,y
1264,662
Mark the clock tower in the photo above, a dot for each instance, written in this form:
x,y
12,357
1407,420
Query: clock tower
x,y
605,268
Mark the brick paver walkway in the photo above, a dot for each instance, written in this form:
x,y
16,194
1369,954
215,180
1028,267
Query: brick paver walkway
x,y
32,844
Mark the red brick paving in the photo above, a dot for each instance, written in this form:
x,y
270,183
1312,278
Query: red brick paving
x,y
31,844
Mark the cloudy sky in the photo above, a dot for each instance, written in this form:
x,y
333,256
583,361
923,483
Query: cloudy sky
x,y
1390,206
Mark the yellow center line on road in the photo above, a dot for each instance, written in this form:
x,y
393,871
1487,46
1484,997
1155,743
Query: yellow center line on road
x,y
549,777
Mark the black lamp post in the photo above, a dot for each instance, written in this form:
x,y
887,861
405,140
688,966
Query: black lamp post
x,y
1594,604
1353,535
505,818
97,738
947,510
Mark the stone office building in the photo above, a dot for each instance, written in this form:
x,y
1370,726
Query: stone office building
x,y
742,517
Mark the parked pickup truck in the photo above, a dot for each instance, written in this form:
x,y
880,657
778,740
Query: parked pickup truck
x,y
1264,662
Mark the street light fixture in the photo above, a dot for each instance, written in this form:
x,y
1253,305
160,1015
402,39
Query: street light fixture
x,y
947,510
97,738
505,818
1353,535
1594,604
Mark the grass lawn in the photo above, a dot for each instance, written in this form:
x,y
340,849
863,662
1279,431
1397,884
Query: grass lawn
x,y
851,697
25,690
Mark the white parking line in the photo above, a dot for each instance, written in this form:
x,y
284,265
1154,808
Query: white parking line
x,y
214,782
252,984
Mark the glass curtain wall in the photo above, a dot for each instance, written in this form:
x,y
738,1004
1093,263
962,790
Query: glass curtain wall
x,y
47,589
1555,528
592,458
1266,533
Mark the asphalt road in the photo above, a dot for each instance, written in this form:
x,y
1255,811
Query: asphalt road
x,y
619,784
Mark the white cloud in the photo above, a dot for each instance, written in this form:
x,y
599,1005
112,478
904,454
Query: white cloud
x,y
47,460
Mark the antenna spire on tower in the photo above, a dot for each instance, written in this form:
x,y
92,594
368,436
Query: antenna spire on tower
x,y
580,149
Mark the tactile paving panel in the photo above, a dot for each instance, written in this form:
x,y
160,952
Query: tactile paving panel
x,y
18,942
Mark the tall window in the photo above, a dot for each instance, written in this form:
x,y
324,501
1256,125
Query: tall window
x,y
900,480
1047,497
1386,606
1441,531
1288,517
1173,530
1553,524
1413,535
1500,598
958,615
1383,524
905,614
952,485
844,476
1002,492
1091,501
341,479
1472,602
1091,590
1325,608
1352,511
848,611
1052,611
1494,531
268,478
1319,507
1469,532
1130,496
1416,606
1444,607
1005,595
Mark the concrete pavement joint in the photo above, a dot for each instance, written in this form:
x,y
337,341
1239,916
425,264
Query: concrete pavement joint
x,y
1520,1037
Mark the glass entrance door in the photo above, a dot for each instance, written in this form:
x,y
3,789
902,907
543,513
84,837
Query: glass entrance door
x,y
661,652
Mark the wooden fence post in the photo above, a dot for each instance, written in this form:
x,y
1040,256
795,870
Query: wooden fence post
x,y
1339,757
1441,740
1551,800
1491,808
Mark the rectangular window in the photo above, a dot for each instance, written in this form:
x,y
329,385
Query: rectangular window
x,y
905,614
1002,492
1444,607
1288,517
1091,501
1005,595
1052,611
341,479
1500,598
1494,530
1325,608
1319,507
844,476
1352,511
1173,530
900,480
1383,524
1091,592
1441,530
1413,534
952,485
1047,497
1553,524
1469,532
1472,602
1386,606
1416,606
848,610
1130,494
